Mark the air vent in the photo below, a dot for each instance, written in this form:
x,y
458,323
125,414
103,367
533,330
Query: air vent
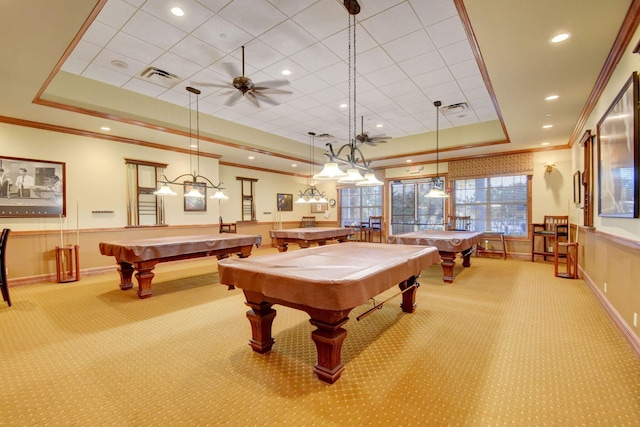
x,y
455,108
160,77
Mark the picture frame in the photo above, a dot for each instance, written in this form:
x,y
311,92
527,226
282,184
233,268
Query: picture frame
x,y
577,188
285,202
31,188
617,140
319,207
195,204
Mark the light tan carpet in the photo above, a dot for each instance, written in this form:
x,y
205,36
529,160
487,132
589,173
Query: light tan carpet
x,y
505,344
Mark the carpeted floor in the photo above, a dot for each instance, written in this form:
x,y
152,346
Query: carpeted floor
x,y
506,344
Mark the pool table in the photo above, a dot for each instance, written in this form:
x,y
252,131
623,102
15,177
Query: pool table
x,y
326,282
304,237
142,255
449,243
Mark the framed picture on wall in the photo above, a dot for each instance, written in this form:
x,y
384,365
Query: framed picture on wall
x,y
617,138
32,188
319,207
285,202
195,203
577,186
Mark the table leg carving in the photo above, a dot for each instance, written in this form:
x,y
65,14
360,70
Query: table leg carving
x,y
261,318
126,272
409,303
304,244
448,262
145,276
281,245
245,251
328,339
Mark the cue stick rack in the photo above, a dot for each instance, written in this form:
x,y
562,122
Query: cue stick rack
x,y
67,263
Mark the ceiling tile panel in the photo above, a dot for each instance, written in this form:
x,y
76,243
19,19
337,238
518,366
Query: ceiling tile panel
x,y
255,17
153,30
194,13
409,46
222,34
115,13
392,23
132,47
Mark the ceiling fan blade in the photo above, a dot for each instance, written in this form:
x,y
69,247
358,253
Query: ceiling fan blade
x,y
204,84
265,98
272,83
381,139
252,98
265,90
232,69
234,98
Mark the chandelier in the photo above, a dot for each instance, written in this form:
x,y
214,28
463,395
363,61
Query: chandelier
x,y
194,180
311,194
437,188
354,159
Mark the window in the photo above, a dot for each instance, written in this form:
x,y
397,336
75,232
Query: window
x,y
494,204
411,210
144,207
357,204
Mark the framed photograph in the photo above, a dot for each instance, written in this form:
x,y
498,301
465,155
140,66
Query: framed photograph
x,y
32,188
319,207
195,203
577,185
285,202
618,155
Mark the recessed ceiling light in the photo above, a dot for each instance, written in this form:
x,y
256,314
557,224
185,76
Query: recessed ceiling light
x,y
547,126
251,157
194,145
380,125
409,160
286,72
105,128
293,165
548,115
177,11
119,64
545,143
343,105
560,37
552,97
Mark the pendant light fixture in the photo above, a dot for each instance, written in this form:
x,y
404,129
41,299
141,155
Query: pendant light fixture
x,y
311,194
355,161
196,181
437,190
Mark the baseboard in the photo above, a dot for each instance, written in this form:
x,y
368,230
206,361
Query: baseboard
x,y
613,314
51,277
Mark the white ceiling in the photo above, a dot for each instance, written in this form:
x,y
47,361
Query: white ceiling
x,y
409,54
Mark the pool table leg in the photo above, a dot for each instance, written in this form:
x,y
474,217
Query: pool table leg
x,y
126,272
466,257
328,339
145,276
261,318
448,262
409,297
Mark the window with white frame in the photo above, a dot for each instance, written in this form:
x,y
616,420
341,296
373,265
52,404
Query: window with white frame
x,y
357,204
498,204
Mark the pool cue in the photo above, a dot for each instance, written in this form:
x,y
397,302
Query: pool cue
x,y
379,306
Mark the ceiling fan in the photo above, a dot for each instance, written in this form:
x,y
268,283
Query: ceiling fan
x,y
370,140
254,92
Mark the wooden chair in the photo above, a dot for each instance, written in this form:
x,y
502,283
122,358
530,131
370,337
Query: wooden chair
x,y
308,222
553,227
227,227
375,228
4,285
459,223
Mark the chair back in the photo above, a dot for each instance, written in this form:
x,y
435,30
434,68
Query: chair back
x,y
308,222
551,222
4,286
227,227
375,228
459,223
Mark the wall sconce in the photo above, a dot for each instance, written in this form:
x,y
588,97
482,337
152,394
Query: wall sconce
x,y
548,167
